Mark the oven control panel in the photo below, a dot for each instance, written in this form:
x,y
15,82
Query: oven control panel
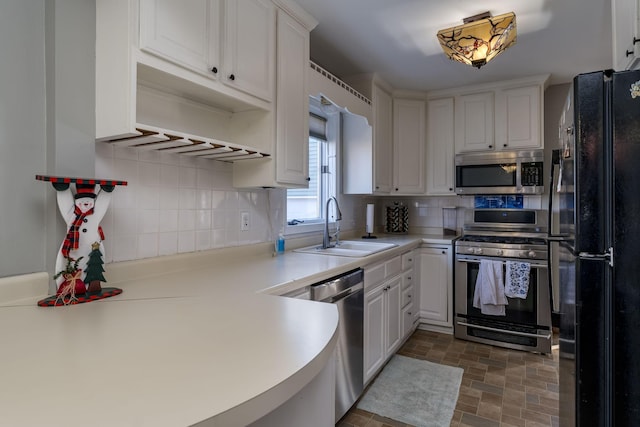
x,y
524,252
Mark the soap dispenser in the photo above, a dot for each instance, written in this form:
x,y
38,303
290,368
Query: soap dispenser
x,y
280,243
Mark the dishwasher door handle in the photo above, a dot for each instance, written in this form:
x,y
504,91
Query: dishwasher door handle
x,y
342,295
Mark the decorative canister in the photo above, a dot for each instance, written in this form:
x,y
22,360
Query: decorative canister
x,y
397,218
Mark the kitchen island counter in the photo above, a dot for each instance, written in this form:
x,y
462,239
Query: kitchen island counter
x,y
194,338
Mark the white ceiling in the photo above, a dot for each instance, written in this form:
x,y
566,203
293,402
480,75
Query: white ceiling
x,y
397,39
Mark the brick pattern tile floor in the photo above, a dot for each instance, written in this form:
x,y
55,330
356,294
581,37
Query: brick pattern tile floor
x,y
500,387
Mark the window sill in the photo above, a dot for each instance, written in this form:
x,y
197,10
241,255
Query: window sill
x,y
305,228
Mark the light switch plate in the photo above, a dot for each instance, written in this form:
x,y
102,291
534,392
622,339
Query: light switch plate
x,y
244,221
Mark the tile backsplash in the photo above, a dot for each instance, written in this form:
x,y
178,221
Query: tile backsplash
x,y
175,204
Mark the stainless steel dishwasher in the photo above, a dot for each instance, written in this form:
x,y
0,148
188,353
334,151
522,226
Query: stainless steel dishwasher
x,y
347,292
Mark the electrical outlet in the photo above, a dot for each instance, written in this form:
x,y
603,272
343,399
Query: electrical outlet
x,y
244,221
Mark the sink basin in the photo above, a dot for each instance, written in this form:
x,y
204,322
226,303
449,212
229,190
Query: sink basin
x,y
350,248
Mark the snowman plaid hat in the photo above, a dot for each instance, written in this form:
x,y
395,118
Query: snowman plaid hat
x,y
85,190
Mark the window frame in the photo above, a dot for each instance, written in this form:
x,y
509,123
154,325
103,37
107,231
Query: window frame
x,y
328,181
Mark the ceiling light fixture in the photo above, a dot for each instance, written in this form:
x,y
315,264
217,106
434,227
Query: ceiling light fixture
x,y
480,39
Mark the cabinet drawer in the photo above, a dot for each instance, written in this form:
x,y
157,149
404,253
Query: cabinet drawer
x,y
408,319
407,260
374,275
393,267
407,279
407,297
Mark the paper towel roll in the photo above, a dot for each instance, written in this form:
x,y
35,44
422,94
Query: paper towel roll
x,y
369,223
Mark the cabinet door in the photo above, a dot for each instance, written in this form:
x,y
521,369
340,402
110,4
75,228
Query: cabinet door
x,y
249,46
474,122
393,298
292,111
518,118
186,32
382,139
374,331
436,285
626,29
409,146
440,147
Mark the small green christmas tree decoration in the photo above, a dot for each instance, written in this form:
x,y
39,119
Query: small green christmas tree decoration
x,y
94,269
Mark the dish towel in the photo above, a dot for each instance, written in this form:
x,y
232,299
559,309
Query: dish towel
x,y
517,282
489,293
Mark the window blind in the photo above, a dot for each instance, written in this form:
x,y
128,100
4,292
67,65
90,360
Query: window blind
x,y
317,126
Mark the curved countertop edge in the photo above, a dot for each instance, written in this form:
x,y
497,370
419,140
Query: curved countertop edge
x,y
261,405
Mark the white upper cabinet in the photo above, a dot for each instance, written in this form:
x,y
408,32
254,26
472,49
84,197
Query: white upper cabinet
x,y
440,147
292,112
626,34
498,116
382,139
186,32
290,166
409,146
518,118
229,40
249,46
474,122
367,163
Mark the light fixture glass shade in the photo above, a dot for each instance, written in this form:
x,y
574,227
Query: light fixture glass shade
x,y
477,42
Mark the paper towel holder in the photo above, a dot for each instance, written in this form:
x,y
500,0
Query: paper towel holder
x,y
369,222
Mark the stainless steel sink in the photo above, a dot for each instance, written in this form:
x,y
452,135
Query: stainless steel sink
x,y
349,248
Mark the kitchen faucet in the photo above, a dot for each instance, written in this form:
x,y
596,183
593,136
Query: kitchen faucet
x,y
326,239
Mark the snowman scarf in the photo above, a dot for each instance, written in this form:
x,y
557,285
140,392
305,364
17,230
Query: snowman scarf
x,y
72,239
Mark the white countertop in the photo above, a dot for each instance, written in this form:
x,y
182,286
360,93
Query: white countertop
x,y
192,337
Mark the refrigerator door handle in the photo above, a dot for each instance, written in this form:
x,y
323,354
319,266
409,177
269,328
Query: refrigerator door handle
x,y
608,255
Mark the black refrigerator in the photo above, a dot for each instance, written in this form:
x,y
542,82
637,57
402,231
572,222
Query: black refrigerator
x,y
598,250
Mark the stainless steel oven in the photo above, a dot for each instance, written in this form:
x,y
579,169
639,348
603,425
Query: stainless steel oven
x,y
504,235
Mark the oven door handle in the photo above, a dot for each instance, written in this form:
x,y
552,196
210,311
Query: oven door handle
x,y
505,331
477,261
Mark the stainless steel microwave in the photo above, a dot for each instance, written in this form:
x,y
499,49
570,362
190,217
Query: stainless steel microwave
x,y
501,172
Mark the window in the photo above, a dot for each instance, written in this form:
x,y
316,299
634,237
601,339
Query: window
x,y
305,206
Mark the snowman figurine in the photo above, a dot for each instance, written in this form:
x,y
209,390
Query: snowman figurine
x,y
82,212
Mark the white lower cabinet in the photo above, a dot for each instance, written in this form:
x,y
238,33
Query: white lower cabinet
x,y
382,325
436,287
388,306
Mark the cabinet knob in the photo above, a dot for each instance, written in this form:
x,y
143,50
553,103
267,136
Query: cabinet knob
x,y
635,40
504,145
308,178
396,189
628,53
214,70
409,313
408,277
409,296
450,189
491,146
232,77
377,188
444,252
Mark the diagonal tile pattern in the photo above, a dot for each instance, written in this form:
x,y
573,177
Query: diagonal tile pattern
x,y
500,387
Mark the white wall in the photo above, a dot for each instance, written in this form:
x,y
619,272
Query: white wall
x,y
22,137
47,123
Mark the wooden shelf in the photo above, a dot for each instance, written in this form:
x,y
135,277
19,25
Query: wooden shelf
x,y
163,140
